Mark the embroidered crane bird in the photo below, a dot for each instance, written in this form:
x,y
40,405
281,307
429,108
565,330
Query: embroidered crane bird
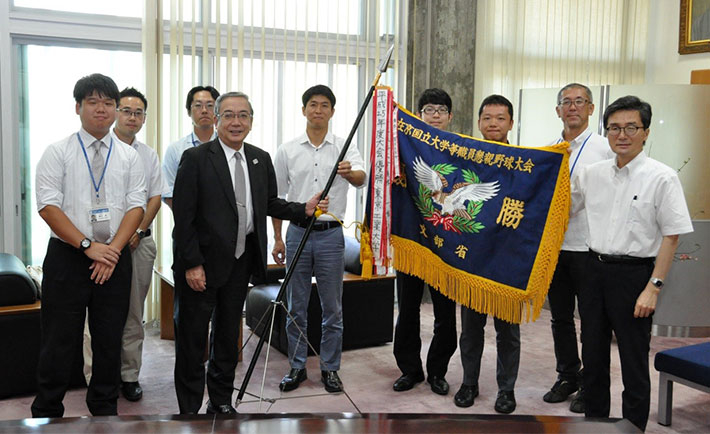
x,y
453,202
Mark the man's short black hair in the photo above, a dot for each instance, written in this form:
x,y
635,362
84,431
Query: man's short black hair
x,y
191,95
496,100
99,83
130,91
633,103
434,96
319,89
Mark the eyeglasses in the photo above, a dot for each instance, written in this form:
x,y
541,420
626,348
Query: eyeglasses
x,y
430,110
578,102
230,116
128,113
199,106
629,130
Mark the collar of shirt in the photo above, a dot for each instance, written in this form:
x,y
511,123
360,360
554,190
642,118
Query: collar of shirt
x,y
88,139
192,137
631,166
328,139
135,145
577,141
229,152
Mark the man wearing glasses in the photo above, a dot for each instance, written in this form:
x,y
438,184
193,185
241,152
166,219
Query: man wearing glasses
x,y
200,107
434,107
636,210
574,107
223,193
132,109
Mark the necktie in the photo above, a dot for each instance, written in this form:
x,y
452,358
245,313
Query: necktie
x,y
240,194
102,229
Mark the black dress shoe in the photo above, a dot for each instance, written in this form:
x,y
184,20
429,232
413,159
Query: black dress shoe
x,y
332,381
220,409
293,379
132,390
577,404
505,403
560,391
465,396
407,381
438,385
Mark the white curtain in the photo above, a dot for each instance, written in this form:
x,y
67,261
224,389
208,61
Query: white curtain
x,y
549,43
272,50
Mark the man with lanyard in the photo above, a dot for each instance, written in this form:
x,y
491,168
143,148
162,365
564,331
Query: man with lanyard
x,y
636,210
91,192
574,107
302,167
434,107
200,108
132,111
495,120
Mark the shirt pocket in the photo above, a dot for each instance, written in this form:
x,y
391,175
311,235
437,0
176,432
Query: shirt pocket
x,y
642,216
116,187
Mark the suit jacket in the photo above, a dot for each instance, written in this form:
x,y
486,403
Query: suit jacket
x,y
205,210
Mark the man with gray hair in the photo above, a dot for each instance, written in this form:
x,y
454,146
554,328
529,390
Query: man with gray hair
x,y
574,106
224,189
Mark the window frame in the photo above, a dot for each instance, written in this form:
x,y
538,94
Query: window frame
x,y
23,26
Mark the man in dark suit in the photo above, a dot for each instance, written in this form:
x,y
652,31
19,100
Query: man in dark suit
x,y
224,190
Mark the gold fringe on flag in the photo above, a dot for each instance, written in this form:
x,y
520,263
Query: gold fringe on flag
x,y
487,296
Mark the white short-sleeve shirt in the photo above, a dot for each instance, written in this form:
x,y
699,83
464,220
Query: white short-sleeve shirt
x,y
630,210
63,180
302,170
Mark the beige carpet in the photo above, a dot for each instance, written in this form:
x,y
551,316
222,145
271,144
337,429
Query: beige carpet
x,y
368,375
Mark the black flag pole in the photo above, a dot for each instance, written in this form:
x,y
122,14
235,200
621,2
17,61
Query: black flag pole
x,y
279,297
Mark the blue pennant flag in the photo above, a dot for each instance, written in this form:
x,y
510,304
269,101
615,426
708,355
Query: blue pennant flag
x,y
480,221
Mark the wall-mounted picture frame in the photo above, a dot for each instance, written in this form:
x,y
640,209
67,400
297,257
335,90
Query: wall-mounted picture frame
x,y
694,35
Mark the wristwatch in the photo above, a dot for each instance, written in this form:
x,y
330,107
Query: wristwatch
x,y
658,283
143,233
84,244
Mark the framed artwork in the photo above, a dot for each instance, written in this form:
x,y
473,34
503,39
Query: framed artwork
x,y
694,34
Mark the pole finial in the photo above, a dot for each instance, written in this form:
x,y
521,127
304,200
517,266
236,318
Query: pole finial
x,y
386,60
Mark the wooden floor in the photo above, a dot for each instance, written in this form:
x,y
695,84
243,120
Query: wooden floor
x,y
321,423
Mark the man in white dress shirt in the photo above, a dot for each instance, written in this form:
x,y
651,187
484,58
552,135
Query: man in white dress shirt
x,y
200,107
132,111
91,192
574,106
302,167
636,210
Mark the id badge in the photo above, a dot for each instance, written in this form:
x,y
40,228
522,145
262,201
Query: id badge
x,y
99,214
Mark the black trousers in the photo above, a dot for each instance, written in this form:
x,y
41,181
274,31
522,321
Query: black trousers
x,y
606,304
564,290
408,343
507,349
192,314
67,292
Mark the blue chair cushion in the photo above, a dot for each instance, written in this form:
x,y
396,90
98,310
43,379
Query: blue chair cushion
x,y
691,363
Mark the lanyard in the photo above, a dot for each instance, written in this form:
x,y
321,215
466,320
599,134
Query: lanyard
x,y
578,154
195,142
91,173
